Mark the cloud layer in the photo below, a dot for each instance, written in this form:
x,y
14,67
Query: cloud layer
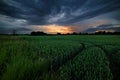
x,y
113,27
47,12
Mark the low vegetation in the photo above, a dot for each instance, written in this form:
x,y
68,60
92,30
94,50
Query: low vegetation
x,y
70,57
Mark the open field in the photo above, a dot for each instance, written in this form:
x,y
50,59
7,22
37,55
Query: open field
x,y
72,57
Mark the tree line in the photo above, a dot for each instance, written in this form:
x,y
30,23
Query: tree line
x,y
74,33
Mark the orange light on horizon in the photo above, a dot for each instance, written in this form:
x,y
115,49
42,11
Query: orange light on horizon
x,y
105,31
53,29
58,29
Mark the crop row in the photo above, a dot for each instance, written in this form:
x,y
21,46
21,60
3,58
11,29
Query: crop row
x,y
29,59
91,64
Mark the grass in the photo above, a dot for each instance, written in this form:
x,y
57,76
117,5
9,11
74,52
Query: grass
x,y
75,57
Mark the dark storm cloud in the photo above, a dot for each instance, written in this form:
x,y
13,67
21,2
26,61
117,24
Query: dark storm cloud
x,y
115,27
6,30
41,12
108,25
117,16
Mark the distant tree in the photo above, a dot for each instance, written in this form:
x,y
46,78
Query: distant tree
x,y
33,33
38,33
74,33
107,33
117,33
58,33
100,32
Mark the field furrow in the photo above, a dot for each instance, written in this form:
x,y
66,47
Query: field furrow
x,y
72,57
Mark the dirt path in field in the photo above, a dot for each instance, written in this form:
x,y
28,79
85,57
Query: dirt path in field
x,y
55,68
54,72
114,66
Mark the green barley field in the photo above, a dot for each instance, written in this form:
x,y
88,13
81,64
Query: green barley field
x,y
63,57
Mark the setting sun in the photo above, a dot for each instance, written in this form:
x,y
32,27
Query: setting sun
x,y
58,29
53,29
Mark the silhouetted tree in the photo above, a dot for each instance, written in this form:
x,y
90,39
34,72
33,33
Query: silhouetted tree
x,y
117,33
107,33
100,32
74,33
38,33
58,33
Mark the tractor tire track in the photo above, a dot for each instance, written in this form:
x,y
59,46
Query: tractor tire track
x,y
55,68
115,67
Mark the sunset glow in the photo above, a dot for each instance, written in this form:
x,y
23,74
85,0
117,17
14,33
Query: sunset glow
x,y
59,16
105,31
53,29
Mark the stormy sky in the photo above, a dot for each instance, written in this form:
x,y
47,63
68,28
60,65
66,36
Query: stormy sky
x,y
63,16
